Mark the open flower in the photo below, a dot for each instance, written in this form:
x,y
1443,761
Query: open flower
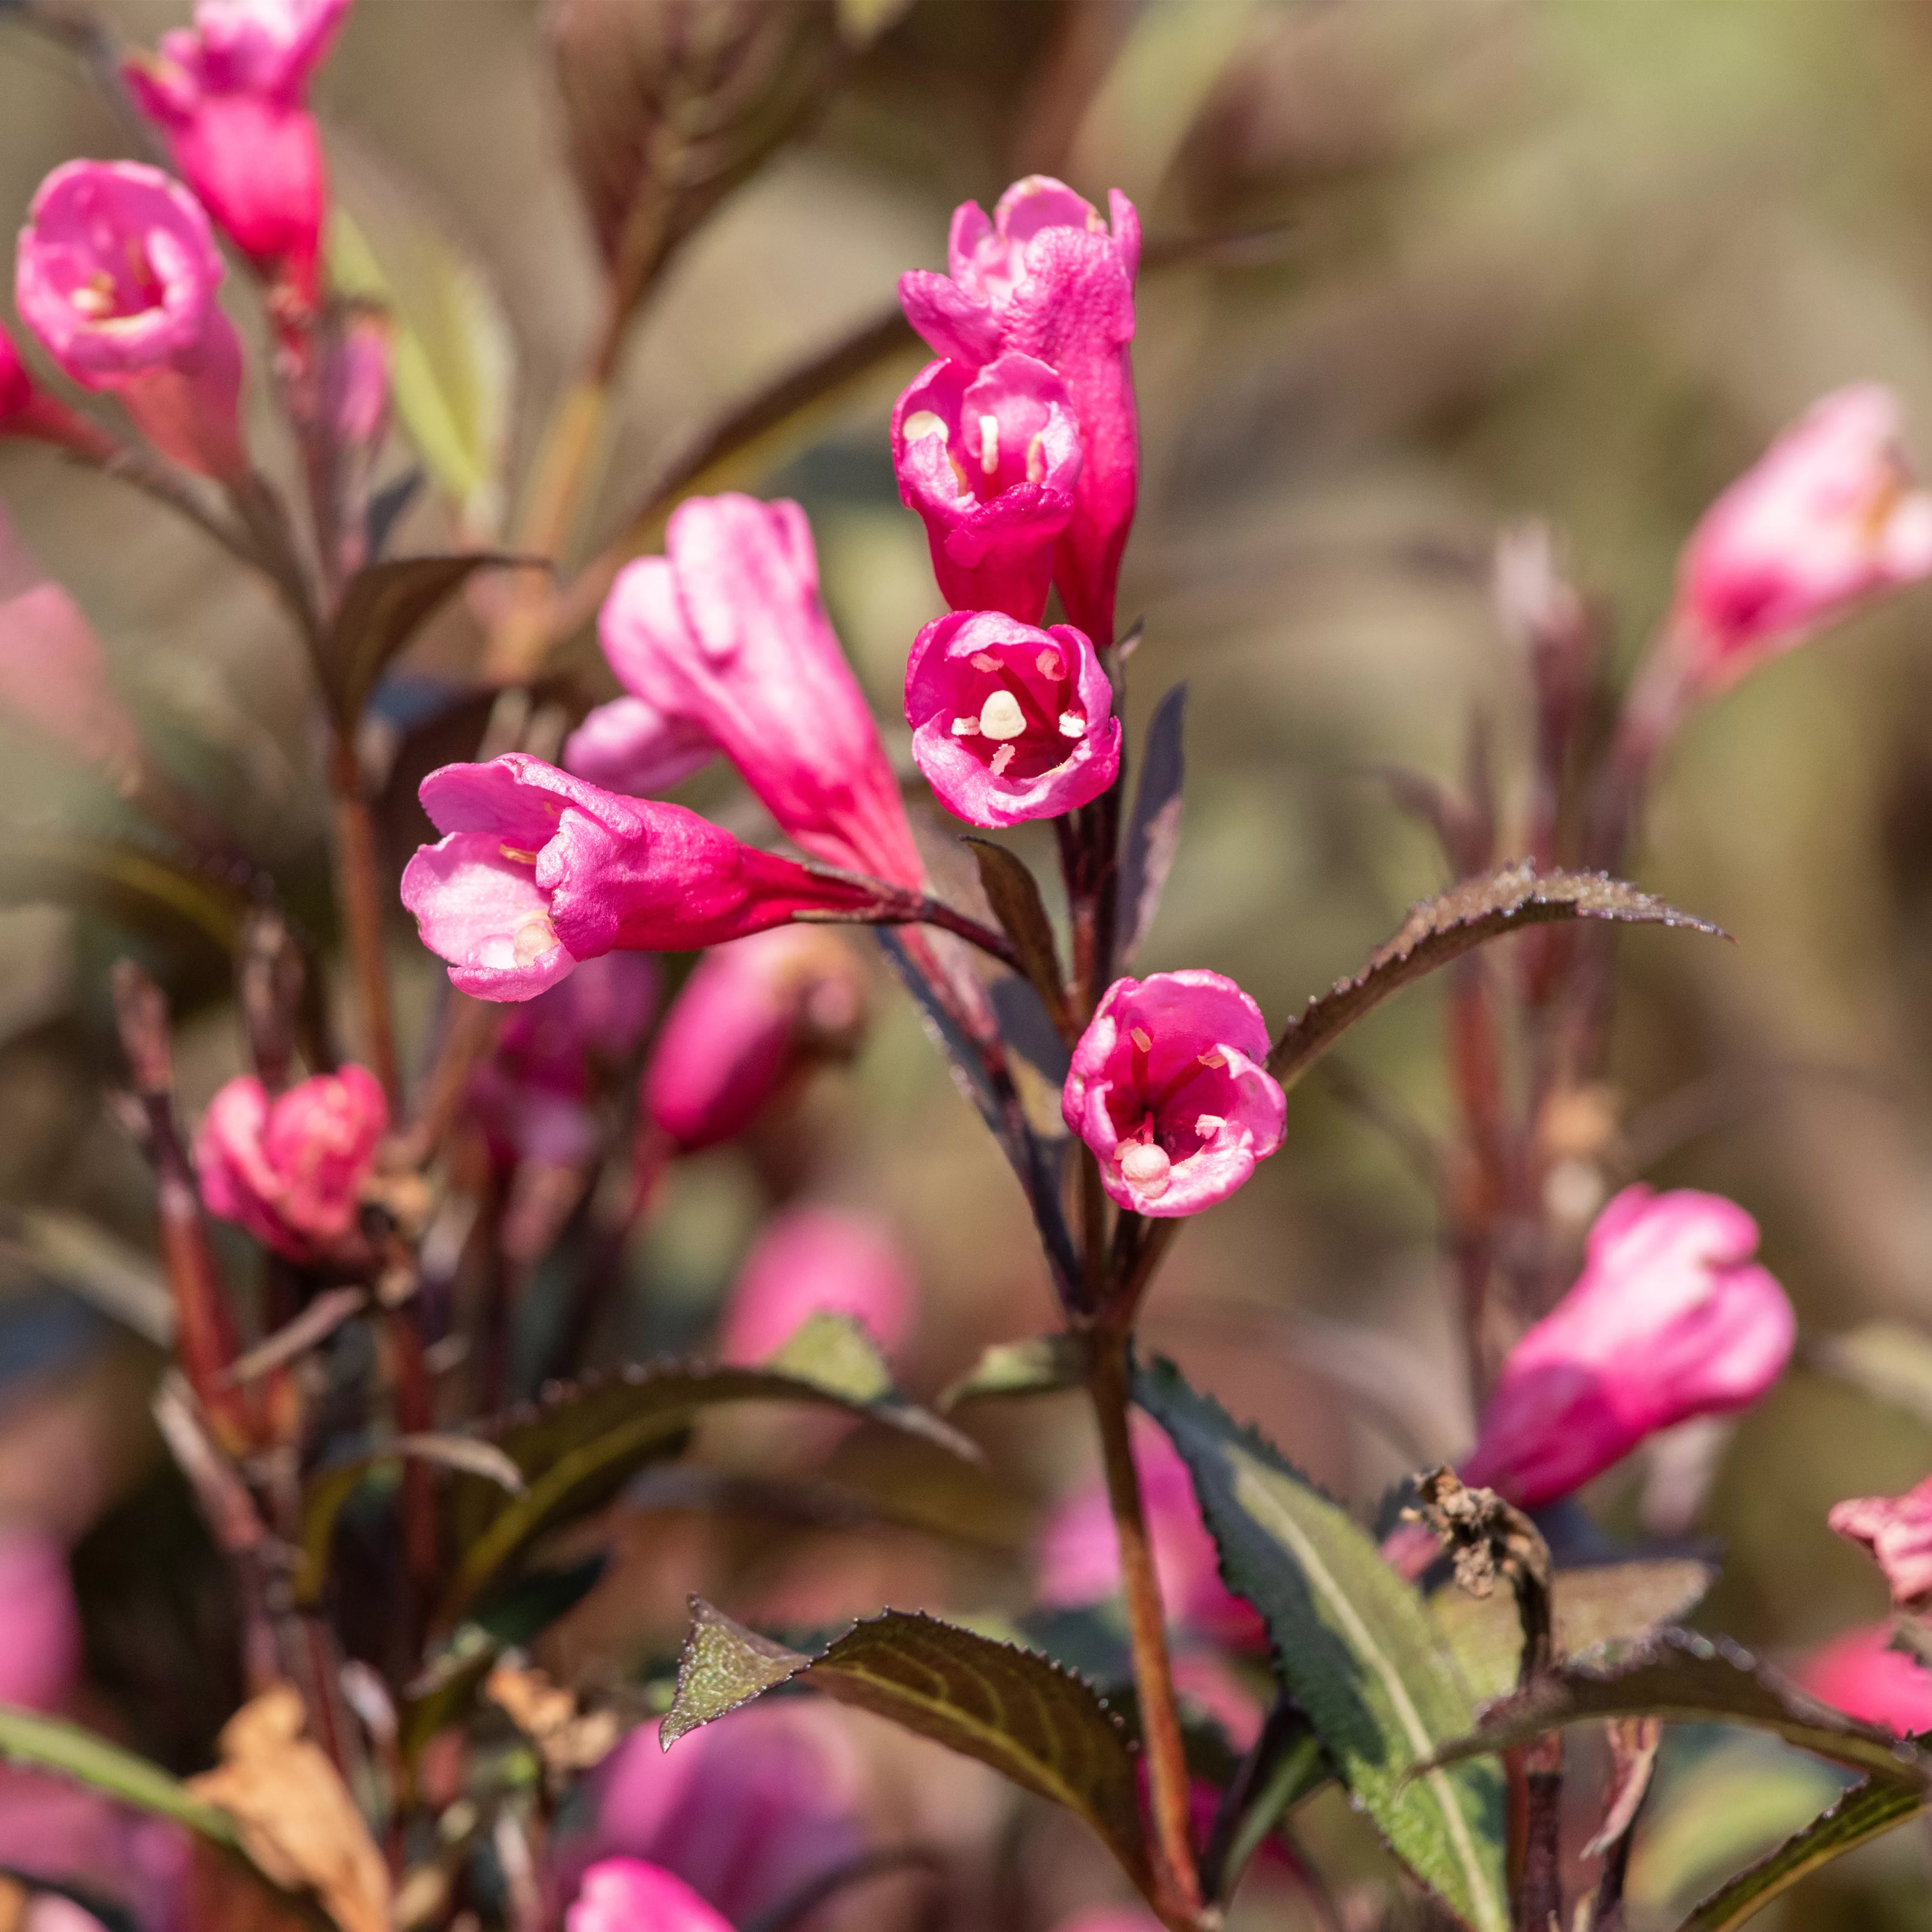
x,y
725,633
989,462
1010,722
290,1170
118,276
627,1895
540,871
1671,1318
750,1015
630,746
1859,1673
1168,1089
1897,1531
1045,277
231,96
815,1260
1829,515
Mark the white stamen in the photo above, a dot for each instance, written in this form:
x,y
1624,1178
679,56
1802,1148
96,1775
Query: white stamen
x,y
983,660
1047,663
921,423
1208,1125
1002,758
90,301
965,727
989,444
1214,1059
1071,724
1001,716
1139,1036
535,938
1146,1167
1037,460
516,854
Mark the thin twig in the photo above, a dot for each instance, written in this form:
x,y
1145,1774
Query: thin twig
x,y
359,880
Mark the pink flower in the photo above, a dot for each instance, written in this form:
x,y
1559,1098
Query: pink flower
x,y
27,409
811,1261
534,1095
749,1015
40,1626
745,1810
53,672
1670,1318
117,275
1860,1674
1080,1553
989,462
1045,278
1008,722
626,1895
1110,1919
1168,1088
725,633
1897,1531
290,1170
540,871
231,96
1829,515
629,746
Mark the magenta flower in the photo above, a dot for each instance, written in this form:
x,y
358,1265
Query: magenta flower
x,y
989,462
27,409
290,1170
53,672
1829,515
1897,1531
726,633
1671,1318
1079,1552
627,1895
540,871
749,1016
629,746
117,275
1009,722
813,1261
231,96
1860,1674
40,1626
1045,278
1168,1088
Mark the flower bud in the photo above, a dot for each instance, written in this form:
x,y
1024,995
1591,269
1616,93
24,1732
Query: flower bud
x,y
725,633
290,1170
27,409
1671,1318
118,276
749,1015
1169,1088
1045,278
1860,1674
231,97
989,462
1830,514
626,1895
818,1260
1010,723
540,871
1897,1531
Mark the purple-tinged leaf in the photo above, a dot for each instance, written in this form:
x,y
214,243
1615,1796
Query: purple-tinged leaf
x,y
1013,893
1153,832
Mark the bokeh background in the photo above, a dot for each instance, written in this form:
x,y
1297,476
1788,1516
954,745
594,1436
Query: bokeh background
x,y
1483,260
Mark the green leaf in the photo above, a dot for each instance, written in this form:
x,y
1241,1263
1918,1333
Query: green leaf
x,y
127,882
1013,893
382,607
1444,927
1691,1679
583,1443
1041,1365
1866,1812
1046,1730
1354,1645
1603,1604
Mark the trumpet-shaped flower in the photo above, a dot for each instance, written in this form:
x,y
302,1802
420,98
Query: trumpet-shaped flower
x,y
1010,722
27,409
818,1260
1671,1318
750,1014
539,870
290,1169
989,462
1860,1674
630,746
231,97
725,633
627,1895
118,276
1168,1088
1045,277
1829,515
1897,1531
